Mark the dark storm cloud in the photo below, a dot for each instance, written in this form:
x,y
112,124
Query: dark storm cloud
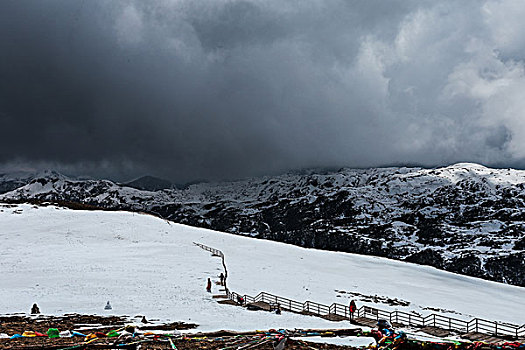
x,y
213,89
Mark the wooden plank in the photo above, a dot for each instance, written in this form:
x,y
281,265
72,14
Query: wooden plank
x,y
483,337
333,317
365,321
219,296
438,332
473,336
261,305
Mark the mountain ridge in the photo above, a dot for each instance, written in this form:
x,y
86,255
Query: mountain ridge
x,y
150,183
463,218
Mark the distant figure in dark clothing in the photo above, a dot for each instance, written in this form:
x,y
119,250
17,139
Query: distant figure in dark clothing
x,y
352,308
240,300
278,309
222,279
208,286
35,310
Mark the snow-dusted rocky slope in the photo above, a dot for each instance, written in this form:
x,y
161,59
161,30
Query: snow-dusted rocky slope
x,y
75,261
464,218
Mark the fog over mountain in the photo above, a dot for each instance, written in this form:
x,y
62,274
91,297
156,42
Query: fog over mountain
x,y
187,90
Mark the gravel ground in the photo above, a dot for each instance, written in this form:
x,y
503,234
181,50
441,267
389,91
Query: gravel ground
x,y
90,323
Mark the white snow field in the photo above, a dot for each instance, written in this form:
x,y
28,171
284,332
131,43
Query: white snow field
x,y
75,261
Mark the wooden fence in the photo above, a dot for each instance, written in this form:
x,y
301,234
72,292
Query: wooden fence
x,y
477,325
216,252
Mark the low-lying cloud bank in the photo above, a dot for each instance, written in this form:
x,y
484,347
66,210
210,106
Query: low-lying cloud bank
x,y
223,89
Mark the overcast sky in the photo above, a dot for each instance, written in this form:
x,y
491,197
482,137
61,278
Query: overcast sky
x,y
219,89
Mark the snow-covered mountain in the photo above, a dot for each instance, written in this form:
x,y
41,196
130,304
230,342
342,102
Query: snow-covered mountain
x,y
11,181
464,218
149,183
75,261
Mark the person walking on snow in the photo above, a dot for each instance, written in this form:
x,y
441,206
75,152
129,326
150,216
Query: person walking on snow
x,y
222,279
208,286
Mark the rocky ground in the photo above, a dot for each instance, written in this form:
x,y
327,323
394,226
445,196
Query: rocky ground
x,y
91,323
181,344
224,340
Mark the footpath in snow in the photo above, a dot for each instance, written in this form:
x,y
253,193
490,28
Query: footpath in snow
x,y
75,261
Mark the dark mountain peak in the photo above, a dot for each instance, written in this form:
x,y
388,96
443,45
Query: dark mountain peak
x,y
149,183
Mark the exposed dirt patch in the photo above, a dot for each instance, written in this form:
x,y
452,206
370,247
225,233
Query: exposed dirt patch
x,y
92,323
181,344
211,341
375,298
84,323
41,323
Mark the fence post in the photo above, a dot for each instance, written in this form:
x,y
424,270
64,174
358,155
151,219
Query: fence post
x,y
265,297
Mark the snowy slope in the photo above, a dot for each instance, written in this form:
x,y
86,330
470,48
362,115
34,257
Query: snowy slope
x,y
464,218
74,261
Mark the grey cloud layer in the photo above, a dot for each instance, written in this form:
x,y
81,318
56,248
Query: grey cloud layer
x,y
215,89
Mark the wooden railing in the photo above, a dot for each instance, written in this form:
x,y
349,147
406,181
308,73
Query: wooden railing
x,y
395,317
218,253
214,251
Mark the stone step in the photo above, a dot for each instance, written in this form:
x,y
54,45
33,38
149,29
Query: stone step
x,y
219,296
